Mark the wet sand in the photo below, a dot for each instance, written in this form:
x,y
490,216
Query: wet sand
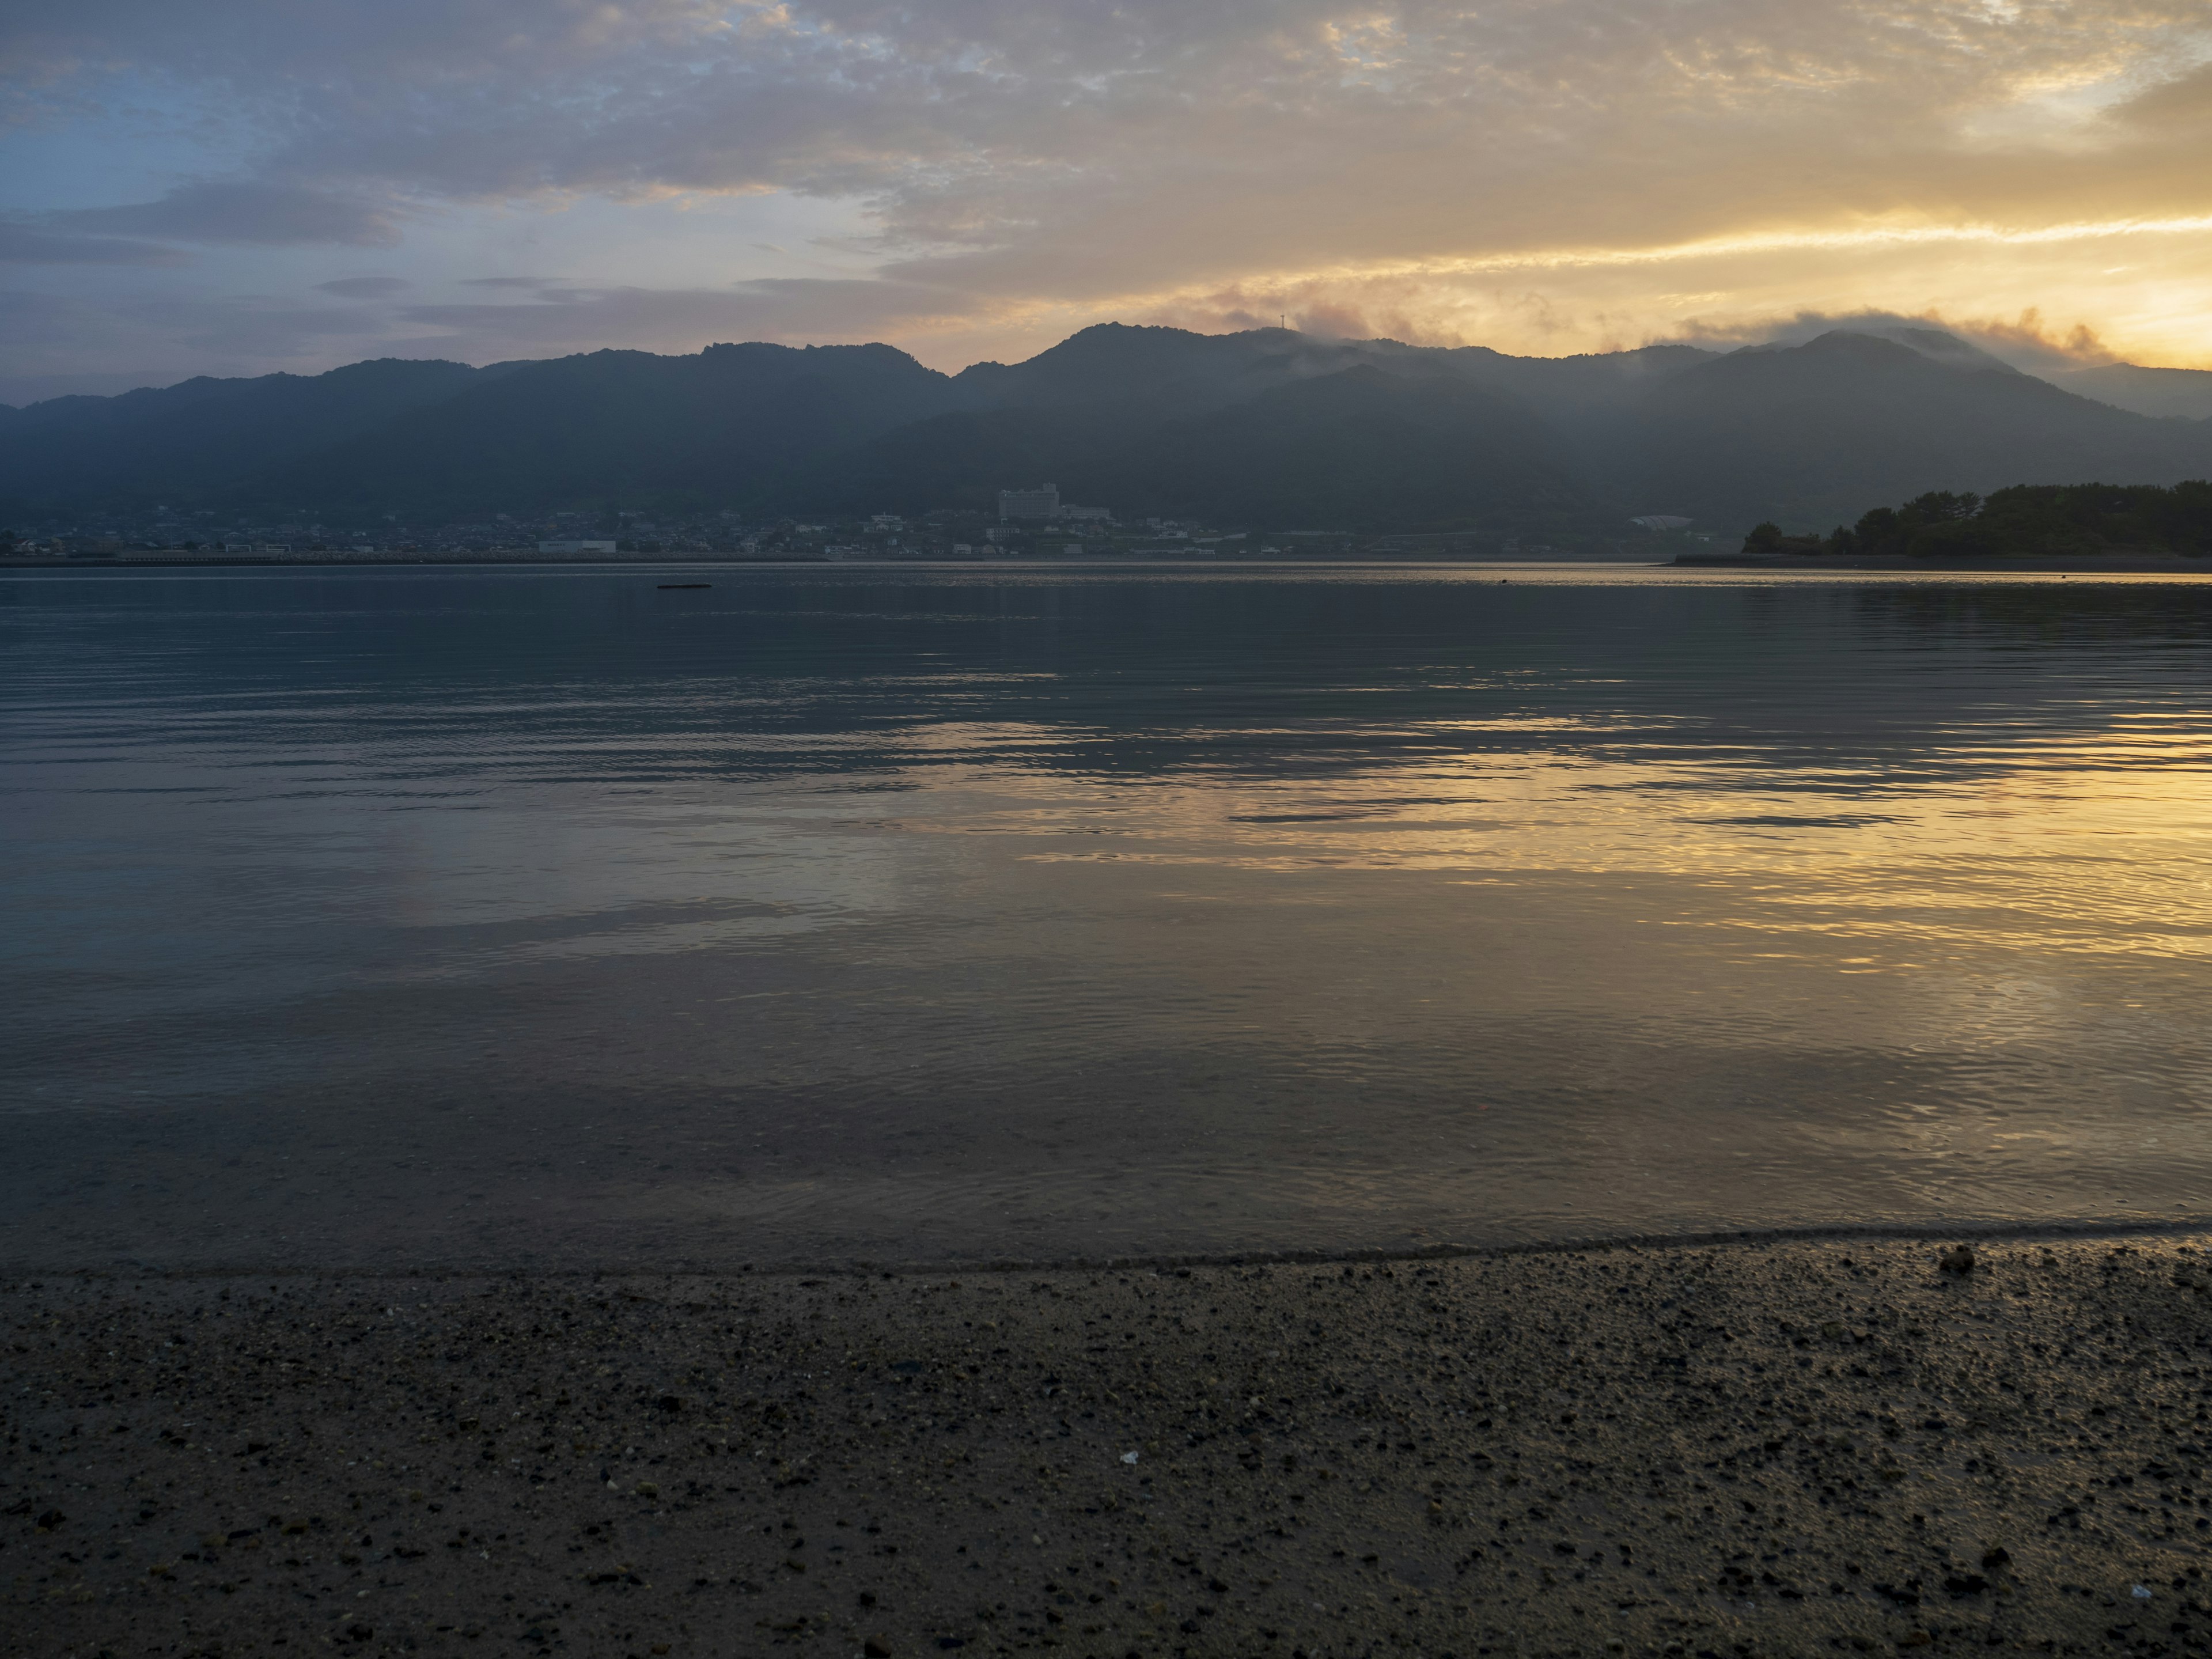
x,y
1717,1452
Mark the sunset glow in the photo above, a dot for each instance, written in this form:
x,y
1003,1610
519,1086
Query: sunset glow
x,y
255,187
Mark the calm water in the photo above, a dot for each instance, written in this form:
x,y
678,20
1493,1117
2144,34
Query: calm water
x,y
541,916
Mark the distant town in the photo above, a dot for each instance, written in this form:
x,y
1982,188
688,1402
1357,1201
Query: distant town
x,y
1031,522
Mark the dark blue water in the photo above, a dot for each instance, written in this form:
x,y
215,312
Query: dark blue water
x,y
438,917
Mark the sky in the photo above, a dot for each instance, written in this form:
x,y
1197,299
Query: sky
x,y
239,187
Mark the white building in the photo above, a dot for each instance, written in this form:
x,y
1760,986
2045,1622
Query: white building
x,y
1042,502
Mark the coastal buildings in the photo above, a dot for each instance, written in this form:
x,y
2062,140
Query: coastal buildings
x,y
1036,502
966,531
1042,501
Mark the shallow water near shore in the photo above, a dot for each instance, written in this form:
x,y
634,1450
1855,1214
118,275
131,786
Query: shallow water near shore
x,y
542,917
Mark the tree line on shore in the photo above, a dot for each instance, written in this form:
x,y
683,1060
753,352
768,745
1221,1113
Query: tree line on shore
x,y
2064,521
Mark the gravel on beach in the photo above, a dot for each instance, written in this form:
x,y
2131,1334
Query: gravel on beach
x,y
1709,1451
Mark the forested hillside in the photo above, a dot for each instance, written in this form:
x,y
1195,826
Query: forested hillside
x,y
1269,425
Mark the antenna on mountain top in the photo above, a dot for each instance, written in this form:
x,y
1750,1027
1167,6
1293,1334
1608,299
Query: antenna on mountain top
x,y
1283,320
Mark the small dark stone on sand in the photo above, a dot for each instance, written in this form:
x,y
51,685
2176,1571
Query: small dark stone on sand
x,y
1957,1259
876,1648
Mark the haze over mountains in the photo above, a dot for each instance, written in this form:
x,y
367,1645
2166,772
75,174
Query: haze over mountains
x,y
1266,426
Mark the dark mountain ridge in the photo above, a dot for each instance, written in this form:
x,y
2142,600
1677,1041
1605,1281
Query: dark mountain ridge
x,y
720,426
1266,426
2173,393
1812,434
178,440
1357,445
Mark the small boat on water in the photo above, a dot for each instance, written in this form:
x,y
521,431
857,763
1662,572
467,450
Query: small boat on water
x,y
664,587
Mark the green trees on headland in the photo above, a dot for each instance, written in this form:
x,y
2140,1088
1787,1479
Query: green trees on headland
x,y
2058,520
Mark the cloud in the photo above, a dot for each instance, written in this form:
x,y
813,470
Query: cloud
x,y
24,245
81,341
2026,342
259,212
1421,124
557,319
2183,104
365,288
1544,174
2029,342
241,326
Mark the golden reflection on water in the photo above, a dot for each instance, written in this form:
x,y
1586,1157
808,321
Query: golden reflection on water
x,y
901,914
2102,845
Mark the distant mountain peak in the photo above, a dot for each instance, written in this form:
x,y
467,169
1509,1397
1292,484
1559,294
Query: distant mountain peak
x,y
1942,346
2182,394
1934,344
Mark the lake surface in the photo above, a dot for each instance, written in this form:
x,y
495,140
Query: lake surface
x,y
541,917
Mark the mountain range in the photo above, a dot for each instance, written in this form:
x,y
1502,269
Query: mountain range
x,y
1267,426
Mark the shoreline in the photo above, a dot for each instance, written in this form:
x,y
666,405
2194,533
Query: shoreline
x,y
1809,563
1969,1231
647,562
1738,1448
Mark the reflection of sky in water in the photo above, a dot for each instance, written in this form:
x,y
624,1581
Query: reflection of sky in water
x,y
965,911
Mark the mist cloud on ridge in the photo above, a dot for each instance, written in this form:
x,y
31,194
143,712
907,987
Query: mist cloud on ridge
x,y
2026,342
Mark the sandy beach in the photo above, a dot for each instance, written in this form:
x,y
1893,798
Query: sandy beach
x,y
1719,1451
